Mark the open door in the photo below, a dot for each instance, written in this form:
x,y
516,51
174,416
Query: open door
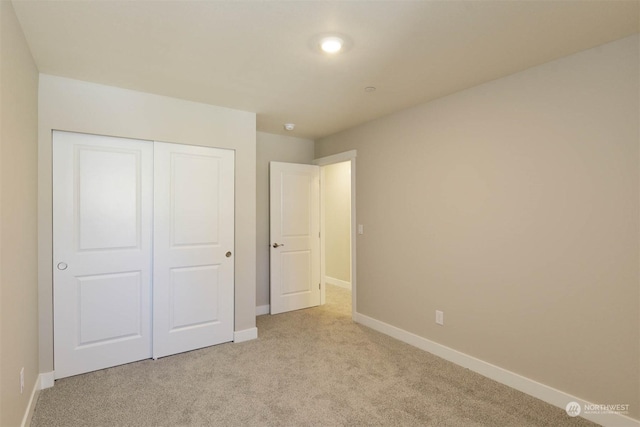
x,y
295,236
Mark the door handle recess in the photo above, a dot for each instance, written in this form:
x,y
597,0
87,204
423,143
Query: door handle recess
x,y
277,245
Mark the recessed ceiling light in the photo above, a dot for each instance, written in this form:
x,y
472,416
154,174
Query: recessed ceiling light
x,y
331,44
289,126
369,89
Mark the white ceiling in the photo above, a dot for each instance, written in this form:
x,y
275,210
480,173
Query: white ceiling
x,y
259,56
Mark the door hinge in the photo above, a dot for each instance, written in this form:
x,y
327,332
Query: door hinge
x,y
319,286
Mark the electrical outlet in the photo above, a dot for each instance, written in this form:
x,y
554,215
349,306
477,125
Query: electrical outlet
x,y
21,380
440,317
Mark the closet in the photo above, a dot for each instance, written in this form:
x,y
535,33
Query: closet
x,y
143,236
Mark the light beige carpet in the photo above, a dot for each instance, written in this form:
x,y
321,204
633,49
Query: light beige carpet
x,y
311,367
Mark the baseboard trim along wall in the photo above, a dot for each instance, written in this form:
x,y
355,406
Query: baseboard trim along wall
x,y
263,309
337,282
46,380
33,399
245,335
503,376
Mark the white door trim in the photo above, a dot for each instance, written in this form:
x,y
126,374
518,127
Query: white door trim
x,y
336,158
347,156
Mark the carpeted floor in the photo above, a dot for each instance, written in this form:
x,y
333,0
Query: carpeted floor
x,y
311,367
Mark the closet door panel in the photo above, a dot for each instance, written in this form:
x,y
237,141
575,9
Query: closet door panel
x,y
102,225
193,247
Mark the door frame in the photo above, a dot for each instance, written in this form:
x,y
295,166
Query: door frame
x,y
347,156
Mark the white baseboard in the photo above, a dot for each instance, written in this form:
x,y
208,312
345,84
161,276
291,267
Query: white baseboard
x,y
46,380
337,282
262,309
245,335
43,381
533,388
31,406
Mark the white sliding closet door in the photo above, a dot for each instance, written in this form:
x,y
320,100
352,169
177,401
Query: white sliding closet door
x,y
193,247
143,250
102,254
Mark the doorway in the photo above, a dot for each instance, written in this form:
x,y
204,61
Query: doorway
x,y
295,281
338,227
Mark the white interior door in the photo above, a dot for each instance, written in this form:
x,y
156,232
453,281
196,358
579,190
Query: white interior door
x,y
295,236
102,254
193,247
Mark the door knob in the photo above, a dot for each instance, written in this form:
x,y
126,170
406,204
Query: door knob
x,y
277,245
228,254
62,266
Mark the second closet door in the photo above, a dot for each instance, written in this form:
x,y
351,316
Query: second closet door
x,y
193,249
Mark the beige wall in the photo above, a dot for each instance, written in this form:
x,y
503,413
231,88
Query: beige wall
x,y
336,188
277,148
514,208
18,219
73,105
